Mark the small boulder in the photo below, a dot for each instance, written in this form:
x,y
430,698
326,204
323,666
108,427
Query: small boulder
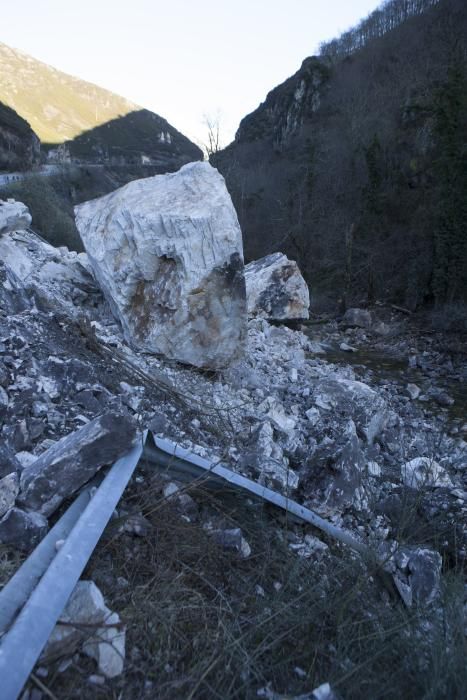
x,y
345,481
313,415
413,391
13,296
106,644
8,461
355,400
14,216
274,410
21,529
73,460
324,692
345,347
361,318
232,539
422,471
275,289
416,573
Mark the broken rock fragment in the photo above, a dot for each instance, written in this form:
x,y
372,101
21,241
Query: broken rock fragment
x,y
21,529
73,460
417,574
167,252
14,216
422,471
9,488
276,289
232,539
8,461
84,612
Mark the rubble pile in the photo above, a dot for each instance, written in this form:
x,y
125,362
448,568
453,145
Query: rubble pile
x,y
358,449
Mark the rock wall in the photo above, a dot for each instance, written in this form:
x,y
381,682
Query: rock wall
x,y
19,145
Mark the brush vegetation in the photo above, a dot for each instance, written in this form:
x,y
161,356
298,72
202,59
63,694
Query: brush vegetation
x,y
204,623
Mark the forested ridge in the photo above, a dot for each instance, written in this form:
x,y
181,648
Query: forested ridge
x,y
356,166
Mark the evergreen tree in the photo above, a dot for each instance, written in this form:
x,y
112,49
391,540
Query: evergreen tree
x,y
450,234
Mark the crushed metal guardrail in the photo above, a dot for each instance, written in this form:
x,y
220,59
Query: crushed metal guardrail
x,y
42,586
22,644
180,461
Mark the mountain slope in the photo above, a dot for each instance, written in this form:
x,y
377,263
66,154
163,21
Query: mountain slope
x,y
89,119
19,145
356,165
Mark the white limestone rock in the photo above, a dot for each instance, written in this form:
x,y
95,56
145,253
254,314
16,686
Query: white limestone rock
x,y
14,216
9,489
275,289
54,275
85,609
422,471
167,252
413,391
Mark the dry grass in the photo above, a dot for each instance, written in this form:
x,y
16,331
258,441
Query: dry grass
x,y
198,625
10,561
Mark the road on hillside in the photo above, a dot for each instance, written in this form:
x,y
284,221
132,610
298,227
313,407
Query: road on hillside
x,y
43,171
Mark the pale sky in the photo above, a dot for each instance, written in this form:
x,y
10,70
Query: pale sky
x,y
180,58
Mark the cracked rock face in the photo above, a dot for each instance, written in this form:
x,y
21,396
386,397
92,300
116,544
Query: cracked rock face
x,y
167,252
276,289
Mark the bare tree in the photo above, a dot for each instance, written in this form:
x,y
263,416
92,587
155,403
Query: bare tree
x,y
386,17
213,135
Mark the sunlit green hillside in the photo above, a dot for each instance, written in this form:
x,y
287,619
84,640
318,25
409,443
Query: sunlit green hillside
x,y
96,124
58,106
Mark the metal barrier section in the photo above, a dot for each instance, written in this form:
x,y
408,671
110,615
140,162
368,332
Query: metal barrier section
x,y
22,645
18,589
47,578
180,461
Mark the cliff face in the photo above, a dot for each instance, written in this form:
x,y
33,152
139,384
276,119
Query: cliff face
x,y
19,145
81,122
345,166
287,107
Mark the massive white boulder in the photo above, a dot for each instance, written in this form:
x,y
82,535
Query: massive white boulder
x,y
275,289
167,252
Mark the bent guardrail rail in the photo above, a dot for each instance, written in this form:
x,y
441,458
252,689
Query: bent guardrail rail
x,y
164,452
44,583
23,643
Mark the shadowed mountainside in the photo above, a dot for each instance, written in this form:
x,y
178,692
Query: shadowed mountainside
x,y
356,165
137,138
19,145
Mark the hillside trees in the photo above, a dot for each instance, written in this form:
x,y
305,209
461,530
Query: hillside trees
x,y
389,15
450,231
52,214
366,191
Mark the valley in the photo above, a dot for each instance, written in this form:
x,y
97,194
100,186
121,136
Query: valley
x,y
233,408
